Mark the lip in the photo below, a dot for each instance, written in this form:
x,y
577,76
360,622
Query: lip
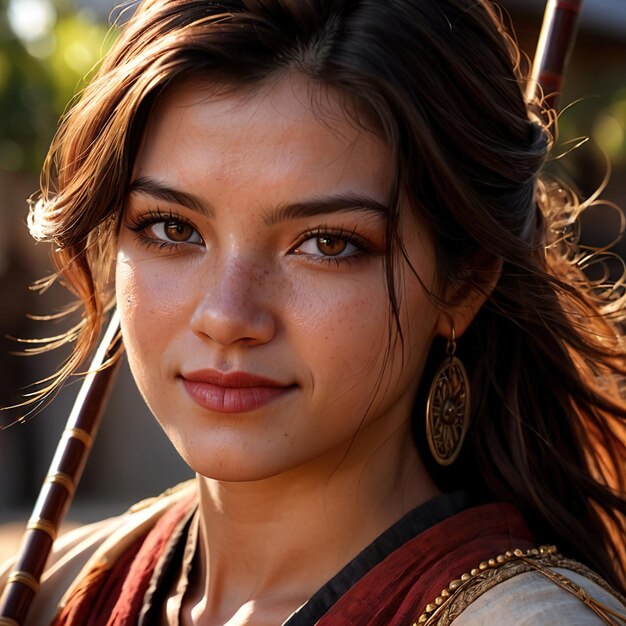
x,y
232,392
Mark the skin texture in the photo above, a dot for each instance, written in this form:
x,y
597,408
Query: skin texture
x,y
318,473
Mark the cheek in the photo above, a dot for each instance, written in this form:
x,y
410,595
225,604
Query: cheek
x,y
341,332
338,315
359,332
131,295
127,287
149,302
146,283
360,349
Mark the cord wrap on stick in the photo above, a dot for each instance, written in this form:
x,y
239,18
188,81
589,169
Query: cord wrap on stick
x,y
43,525
81,435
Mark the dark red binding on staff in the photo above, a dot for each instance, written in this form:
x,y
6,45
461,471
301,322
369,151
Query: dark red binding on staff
x,y
555,44
554,48
60,482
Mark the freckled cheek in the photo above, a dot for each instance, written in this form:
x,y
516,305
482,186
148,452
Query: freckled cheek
x,y
151,303
344,328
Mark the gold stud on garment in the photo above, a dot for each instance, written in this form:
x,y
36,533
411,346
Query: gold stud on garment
x,y
532,557
448,408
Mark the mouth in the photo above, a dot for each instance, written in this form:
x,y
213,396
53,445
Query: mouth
x,y
232,392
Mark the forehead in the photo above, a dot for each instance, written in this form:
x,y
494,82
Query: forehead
x,y
286,135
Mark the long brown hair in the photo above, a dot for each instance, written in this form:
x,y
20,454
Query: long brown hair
x,y
441,83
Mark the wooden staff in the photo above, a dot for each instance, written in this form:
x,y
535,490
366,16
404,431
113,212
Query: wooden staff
x,y
554,48
60,482
555,44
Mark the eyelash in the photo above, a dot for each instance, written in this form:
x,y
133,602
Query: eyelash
x,y
139,223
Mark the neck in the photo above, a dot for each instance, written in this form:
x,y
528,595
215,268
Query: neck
x,y
285,536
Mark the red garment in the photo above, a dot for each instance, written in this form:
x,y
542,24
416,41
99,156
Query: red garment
x,y
396,591
393,593
114,597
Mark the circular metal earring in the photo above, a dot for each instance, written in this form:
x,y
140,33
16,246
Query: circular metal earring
x,y
448,408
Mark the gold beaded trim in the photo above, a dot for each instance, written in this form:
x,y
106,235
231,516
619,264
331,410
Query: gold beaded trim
x,y
25,578
463,591
45,526
63,479
78,433
434,609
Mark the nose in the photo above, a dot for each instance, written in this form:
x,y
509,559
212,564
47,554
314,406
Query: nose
x,y
235,306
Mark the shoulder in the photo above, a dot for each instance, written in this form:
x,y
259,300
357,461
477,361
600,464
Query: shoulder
x,y
528,590
532,599
94,545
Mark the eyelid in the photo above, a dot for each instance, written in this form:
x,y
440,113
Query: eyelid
x,y
152,229
350,236
140,222
140,219
364,249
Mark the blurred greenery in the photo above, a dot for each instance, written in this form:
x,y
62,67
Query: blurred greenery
x,y
609,129
601,116
47,48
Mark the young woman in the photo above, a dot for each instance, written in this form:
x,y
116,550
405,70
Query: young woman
x,y
358,313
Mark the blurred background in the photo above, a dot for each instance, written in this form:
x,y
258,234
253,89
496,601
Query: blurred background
x,y
47,47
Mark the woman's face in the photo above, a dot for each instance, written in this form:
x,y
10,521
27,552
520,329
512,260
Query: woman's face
x,y
251,285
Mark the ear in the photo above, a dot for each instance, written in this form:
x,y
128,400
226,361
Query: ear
x,y
464,296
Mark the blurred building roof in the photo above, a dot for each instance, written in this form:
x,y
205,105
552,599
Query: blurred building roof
x,y
606,16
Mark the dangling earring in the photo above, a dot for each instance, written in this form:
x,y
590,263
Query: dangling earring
x,y
448,407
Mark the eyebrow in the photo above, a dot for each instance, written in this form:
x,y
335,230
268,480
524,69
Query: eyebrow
x,y
325,206
146,186
153,188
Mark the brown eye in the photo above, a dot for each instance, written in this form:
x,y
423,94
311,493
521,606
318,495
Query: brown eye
x,y
331,246
178,231
173,231
324,245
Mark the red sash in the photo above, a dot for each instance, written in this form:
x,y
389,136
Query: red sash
x,y
393,593
397,590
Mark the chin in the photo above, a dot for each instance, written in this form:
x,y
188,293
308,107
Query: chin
x,y
233,467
